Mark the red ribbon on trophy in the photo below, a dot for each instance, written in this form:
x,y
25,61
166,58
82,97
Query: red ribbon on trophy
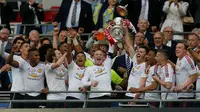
x,y
111,39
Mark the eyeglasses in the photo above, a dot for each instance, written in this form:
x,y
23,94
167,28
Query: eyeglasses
x,y
169,31
157,38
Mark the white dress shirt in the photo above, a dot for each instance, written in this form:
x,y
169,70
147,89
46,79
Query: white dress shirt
x,y
169,43
78,11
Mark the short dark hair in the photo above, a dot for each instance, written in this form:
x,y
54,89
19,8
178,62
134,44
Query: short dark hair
x,y
43,39
76,53
32,50
154,50
25,42
164,52
185,45
18,38
144,47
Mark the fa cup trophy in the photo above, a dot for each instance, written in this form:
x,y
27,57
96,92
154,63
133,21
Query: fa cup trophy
x,y
114,31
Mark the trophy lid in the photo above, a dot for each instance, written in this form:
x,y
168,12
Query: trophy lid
x,y
122,11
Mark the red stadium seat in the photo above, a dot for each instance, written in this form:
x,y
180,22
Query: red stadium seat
x,y
50,15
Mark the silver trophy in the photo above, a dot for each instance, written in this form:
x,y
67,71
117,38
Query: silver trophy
x,y
117,30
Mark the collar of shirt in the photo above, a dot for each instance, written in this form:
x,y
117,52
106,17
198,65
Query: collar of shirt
x,y
73,2
157,47
169,43
5,43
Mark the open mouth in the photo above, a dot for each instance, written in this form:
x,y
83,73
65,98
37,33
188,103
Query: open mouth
x,y
80,61
98,59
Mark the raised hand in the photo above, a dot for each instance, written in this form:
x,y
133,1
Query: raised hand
x,y
55,24
81,30
94,32
94,83
15,49
45,91
56,31
73,32
133,90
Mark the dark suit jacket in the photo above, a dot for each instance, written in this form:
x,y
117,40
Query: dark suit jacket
x,y
120,61
4,75
27,16
8,49
134,8
149,37
85,19
173,46
6,14
103,9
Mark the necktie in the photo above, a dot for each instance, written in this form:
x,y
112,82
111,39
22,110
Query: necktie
x,y
128,64
142,13
35,17
73,19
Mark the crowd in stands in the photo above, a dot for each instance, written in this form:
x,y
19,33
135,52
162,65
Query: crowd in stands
x,y
150,59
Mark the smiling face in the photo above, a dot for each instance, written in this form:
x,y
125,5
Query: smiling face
x,y
139,38
63,48
34,57
19,43
4,34
158,57
193,41
25,48
80,59
58,54
143,25
99,57
180,50
158,39
62,35
150,57
168,32
141,53
34,35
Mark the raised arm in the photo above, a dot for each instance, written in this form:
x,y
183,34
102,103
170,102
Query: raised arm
x,y
74,35
69,50
91,40
77,46
59,62
194,54
10,58
55,38
127,42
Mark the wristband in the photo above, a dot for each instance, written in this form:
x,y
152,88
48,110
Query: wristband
x,y
69,40
75,41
